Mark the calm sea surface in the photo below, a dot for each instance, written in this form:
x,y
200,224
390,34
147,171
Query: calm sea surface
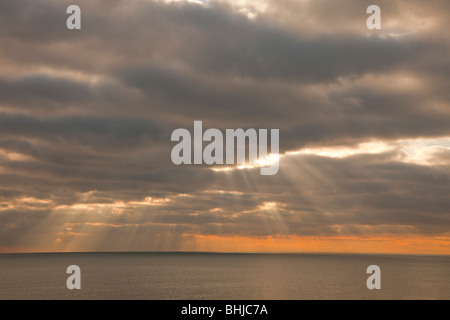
x,y
175,276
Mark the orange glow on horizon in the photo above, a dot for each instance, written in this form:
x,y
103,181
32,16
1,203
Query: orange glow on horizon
x,y
388,244
337,244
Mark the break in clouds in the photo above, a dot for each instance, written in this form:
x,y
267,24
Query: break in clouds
x,y
86,118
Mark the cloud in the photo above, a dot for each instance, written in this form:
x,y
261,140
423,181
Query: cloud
x,y
86,118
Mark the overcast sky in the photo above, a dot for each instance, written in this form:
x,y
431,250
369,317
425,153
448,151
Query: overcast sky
x,y
86,118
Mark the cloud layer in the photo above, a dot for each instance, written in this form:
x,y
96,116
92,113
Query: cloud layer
x,y
86,118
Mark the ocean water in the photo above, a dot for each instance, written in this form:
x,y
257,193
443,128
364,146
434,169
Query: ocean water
x,y
208,276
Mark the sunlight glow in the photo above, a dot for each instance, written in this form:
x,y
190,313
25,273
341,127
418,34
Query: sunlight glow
x,y
413,151
268,161
250,8
343,152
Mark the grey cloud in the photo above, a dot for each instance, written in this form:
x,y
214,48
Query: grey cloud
x,y
78,129
36,89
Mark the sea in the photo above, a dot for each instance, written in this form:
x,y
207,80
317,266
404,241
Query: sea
x,y
222,276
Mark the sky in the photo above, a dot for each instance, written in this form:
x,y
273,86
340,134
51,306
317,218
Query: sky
x,y
86,118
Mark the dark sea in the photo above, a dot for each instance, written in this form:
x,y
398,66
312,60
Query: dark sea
x,y
209,276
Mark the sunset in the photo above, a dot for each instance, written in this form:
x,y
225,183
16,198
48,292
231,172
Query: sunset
x,y
342,131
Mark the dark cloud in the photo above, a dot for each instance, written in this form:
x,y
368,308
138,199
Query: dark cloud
x,y
35,89
78,130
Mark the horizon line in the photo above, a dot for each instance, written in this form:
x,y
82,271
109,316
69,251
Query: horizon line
x,y
229,252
